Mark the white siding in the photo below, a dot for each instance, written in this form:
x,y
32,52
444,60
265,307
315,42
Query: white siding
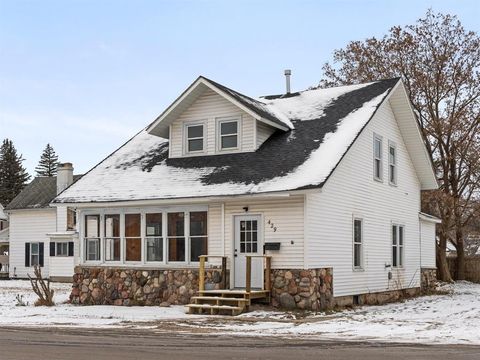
x,y
286,214
61,218
427,233
207,108
29,226
263,133
61,266
352,191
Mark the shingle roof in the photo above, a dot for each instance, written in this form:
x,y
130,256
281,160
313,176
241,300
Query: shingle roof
x,y
326,123
37,194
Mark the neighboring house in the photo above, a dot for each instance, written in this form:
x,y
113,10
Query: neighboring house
x,y
4,260
326,182
41,234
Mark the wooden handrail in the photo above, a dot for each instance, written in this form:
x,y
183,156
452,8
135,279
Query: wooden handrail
x,y
201,271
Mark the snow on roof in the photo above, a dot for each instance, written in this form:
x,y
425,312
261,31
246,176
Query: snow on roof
x,y
325,124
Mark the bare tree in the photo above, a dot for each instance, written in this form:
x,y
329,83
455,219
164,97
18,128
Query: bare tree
x,y
439,62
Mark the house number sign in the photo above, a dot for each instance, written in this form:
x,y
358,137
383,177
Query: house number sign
x,y
272,225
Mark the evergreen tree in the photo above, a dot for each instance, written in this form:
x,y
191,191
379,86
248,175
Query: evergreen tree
x,y
13,176
48,163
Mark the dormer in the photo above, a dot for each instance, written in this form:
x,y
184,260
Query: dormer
x,y
211,119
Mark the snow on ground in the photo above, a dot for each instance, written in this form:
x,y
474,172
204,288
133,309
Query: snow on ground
x,y
448,319
64,314
452,318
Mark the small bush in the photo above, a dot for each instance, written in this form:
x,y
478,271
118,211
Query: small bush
x,y
20,301
41,288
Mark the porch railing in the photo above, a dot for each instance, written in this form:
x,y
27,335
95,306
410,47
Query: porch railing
x,y
267,266
201,272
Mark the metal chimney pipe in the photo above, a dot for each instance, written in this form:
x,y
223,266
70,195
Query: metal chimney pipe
x,y
288,72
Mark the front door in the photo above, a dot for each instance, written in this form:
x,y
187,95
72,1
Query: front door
x,y
248,241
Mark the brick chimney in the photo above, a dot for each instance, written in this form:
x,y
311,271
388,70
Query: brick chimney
x,y
64,176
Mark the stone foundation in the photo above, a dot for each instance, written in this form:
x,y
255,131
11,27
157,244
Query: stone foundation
x,y
377,298
428,279
124,286
302,289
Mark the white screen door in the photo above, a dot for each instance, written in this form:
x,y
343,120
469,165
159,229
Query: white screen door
x,y
248,241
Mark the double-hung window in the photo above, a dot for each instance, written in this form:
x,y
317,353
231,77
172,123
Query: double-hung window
x,y
357,243
377,158
62,248
392,163
398,233
195,138
92,237
153,237
34,254
228,134
112,237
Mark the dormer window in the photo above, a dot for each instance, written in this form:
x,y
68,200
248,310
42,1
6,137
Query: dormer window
x,y
228,138
194,138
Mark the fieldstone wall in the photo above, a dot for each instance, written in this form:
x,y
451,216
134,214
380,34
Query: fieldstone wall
x,y
302,289
428,280
124,286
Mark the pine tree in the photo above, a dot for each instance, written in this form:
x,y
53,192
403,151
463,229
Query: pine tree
x,y
48,163
13,176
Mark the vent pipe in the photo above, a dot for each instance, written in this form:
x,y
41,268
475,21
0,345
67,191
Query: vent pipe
x,y
288,72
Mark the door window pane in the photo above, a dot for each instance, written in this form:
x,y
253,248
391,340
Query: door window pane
x,y
248,236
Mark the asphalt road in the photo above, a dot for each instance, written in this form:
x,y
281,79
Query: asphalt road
x,y
75,344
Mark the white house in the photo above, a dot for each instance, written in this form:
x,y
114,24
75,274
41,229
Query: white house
x,y
319,188
41,234
4,234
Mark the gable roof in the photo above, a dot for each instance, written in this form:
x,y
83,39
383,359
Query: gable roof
x,y
37,194
255,108
325,122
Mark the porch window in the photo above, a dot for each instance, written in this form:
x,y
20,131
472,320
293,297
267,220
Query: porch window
x,y
198,235
92,237
392,163
357,243
154,239
398,232
228,134
195,138
176,236
377,158
112,237
133,241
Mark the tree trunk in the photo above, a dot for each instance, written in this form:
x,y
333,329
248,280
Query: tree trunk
x,y
442,265
460,255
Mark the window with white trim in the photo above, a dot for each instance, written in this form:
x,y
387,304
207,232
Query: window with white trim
x,y
198,235
392,163
153,236
228,134
112,237
194,138
398,234
357,243
34,254
62,248
377,157
176,236
92,237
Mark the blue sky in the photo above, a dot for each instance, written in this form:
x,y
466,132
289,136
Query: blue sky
x,y
85,76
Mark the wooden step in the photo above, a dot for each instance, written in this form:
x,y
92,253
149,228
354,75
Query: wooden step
x,y
214,309
254,294
220,298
